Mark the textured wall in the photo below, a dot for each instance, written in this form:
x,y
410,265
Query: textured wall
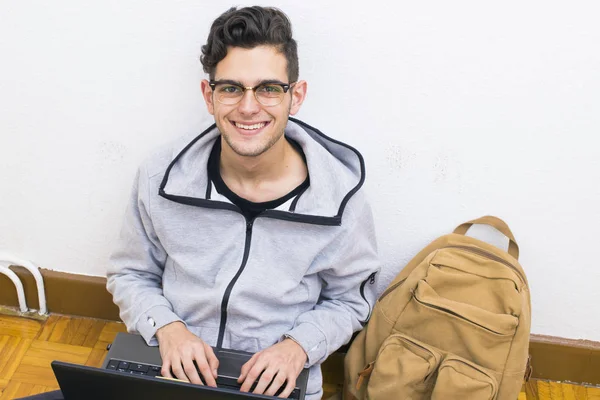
x,y
460,108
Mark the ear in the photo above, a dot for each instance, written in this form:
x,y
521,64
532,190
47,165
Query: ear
x,y
207,93
298,96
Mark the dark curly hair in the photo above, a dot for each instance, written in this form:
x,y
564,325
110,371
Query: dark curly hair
x,y
250,27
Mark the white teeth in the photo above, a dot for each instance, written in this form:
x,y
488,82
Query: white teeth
x,y
250,127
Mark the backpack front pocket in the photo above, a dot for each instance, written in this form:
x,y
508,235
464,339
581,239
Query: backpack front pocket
x,y
463,329
469,277
459,379
403,369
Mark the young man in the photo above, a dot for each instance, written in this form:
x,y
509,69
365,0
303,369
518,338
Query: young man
x,y
254,236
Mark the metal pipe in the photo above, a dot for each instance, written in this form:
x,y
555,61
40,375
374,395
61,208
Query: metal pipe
x,y
39,280
18,285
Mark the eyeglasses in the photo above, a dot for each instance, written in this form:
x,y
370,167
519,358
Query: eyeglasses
x,y
267,93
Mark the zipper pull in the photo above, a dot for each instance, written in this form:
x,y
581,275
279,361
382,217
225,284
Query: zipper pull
x,y
249,224
372,278
365,373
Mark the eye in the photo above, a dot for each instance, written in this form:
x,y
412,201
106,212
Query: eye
x,y
270,89
228,89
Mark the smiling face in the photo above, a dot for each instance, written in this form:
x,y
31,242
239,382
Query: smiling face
x,y
249,128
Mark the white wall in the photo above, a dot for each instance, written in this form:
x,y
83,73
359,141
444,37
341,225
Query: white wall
x,y
460,108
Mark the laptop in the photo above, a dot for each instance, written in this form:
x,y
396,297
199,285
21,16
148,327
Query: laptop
x,y
131,370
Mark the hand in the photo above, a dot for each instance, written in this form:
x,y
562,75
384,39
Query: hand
x,y
179,348
278,364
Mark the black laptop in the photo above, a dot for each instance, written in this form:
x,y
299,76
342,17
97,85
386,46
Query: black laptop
x,y
131,370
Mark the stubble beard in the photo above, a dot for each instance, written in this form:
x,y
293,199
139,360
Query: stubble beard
x,y
258,149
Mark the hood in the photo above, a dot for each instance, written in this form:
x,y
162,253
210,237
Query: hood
x,y
336,173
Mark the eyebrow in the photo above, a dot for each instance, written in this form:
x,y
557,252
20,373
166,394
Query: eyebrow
x,y
262,82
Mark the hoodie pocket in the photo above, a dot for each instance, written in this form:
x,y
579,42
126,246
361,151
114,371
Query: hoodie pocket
x,y
403,369
459,379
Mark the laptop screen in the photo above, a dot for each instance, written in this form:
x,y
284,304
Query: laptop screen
x,y
80,382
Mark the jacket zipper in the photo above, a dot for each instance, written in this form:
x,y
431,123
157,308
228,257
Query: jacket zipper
x,y
371,280
490,256
227,294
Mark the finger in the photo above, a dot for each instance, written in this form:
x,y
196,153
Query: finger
x,y
289,387
165,369
265,380
252,375
190,371
206,372
177,369
277,382
203,367
212,359
246,368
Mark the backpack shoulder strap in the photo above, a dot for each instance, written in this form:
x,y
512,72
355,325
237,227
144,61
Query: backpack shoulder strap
x,y
513,247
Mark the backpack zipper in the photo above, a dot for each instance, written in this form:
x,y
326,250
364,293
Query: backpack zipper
x,y
491,256
447,311
469,249
390,289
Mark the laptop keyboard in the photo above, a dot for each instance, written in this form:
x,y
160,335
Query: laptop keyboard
x,y
134,369
152,371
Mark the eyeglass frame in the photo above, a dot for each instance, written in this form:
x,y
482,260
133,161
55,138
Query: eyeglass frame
x,y
285,86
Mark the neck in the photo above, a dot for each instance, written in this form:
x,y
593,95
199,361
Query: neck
x,y
268,166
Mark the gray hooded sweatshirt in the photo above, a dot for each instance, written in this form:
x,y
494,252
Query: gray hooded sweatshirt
x,y
305,269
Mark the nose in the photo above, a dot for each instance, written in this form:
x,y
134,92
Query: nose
x,y
249,105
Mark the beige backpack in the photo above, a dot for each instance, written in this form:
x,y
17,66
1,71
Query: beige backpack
x,y
454,324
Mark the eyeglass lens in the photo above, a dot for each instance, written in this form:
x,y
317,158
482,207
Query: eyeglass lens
x,y
267,94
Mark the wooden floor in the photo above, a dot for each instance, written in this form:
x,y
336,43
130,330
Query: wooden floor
x,y
28,346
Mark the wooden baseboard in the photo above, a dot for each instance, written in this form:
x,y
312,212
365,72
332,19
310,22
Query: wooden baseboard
x,y
69,294
560,359
552,358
